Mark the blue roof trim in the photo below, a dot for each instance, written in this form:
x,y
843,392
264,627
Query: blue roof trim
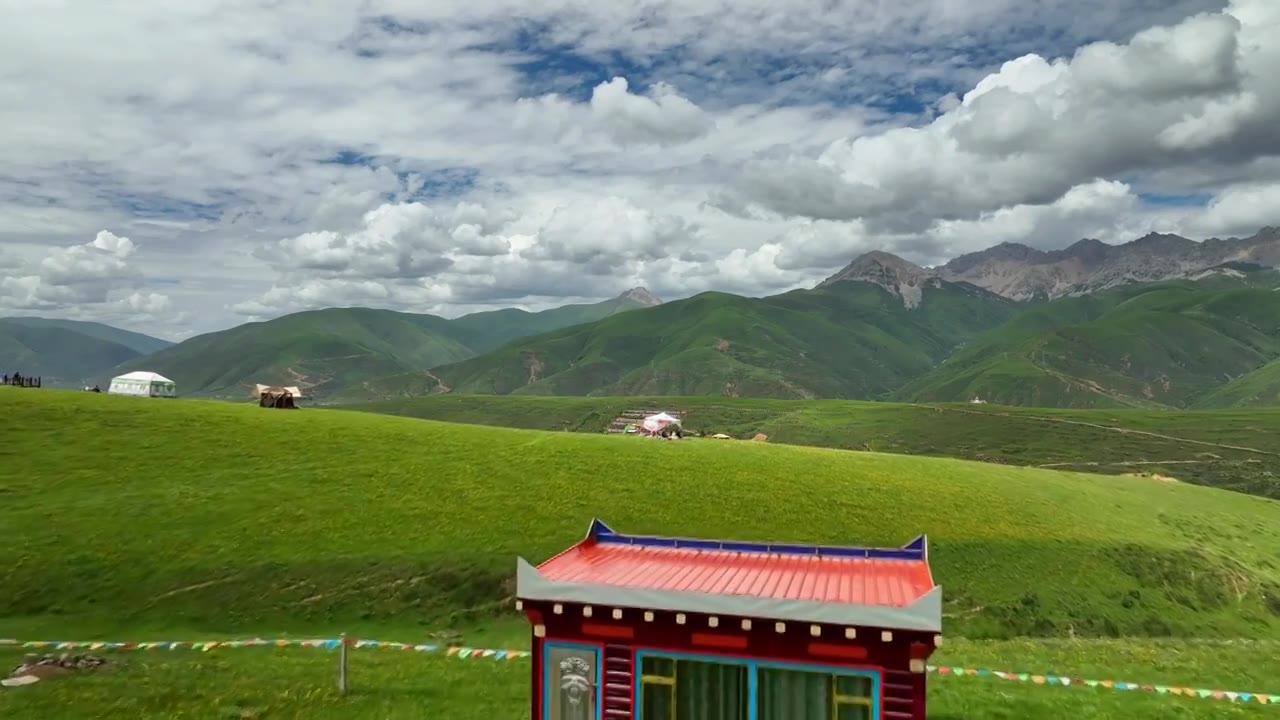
x,y
917,549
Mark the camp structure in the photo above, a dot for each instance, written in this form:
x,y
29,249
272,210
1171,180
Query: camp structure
x,y
143,384
656,423
660,628
274,396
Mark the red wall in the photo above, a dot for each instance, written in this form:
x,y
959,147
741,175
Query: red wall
x,y
762,641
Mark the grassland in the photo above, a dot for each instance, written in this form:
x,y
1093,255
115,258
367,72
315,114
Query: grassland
x,y
395,685
132,518
1234,449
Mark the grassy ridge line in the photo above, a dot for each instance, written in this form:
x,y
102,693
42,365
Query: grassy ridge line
x,y
130,513
1233,449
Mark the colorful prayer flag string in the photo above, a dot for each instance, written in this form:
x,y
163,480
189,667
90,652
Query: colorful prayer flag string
x,y
1065,681
497,654
326,643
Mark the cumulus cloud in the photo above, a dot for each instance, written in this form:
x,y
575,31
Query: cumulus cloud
x,y
92,280
1028,133
663,117
466,154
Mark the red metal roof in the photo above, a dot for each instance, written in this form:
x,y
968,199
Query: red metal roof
x,y
787,575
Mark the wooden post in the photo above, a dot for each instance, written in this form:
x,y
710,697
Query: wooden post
x,y
342,666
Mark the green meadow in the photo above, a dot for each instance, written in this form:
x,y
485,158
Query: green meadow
x,y
140,519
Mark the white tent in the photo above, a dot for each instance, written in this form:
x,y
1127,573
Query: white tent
x,y
144,384
654,423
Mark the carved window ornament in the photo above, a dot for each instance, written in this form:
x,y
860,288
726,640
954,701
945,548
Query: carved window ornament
x,y
575,681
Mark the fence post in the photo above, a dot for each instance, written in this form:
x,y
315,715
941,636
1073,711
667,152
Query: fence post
x,y
342,666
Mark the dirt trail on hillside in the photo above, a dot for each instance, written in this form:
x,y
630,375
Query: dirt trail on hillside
x,y
443,388
1110,428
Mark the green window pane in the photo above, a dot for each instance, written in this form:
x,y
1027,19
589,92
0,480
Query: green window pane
x,y
794,694
657,702
853,685
710,691
663,667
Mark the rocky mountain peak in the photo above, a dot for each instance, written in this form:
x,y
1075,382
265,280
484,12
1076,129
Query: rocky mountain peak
x,y
1090,265
900,277
640,296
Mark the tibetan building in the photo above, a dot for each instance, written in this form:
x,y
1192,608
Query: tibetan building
x,y
659,628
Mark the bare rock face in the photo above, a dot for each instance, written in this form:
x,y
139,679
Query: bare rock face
x,y
1021,273
900,277
640,296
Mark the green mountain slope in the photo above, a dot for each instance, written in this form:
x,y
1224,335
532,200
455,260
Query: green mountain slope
x,y
137,342
321,350
1158,345
492,329
63,353
347,353
1254,389
845,340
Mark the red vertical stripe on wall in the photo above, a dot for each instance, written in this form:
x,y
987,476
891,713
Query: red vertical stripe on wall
x,y
535,683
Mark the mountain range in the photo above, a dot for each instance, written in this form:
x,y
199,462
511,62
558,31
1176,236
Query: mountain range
x,y
1162,321
354,353
67,352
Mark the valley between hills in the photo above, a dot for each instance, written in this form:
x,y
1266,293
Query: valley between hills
x,y
1160,322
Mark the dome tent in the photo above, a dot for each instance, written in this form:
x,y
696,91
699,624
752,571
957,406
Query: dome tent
x,y
144,384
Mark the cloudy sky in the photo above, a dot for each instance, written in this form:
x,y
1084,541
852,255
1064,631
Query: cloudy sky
x,y
184,167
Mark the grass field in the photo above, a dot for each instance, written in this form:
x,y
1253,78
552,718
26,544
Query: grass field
x,y
395,685
138,519
1189,446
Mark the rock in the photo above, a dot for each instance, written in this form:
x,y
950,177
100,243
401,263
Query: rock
x,y
44,666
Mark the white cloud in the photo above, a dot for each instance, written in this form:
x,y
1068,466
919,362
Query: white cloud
x,y
1036,128
464,154
93,280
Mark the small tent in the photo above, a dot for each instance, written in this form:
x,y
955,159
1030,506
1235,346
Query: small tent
x,y
274,396
657,423
143,384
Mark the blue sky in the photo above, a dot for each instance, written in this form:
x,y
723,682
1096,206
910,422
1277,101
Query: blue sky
x,y
468,154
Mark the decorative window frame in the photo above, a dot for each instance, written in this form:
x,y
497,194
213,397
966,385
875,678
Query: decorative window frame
x,y
753,665
549,669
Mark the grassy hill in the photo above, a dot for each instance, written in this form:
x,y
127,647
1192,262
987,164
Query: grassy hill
x,y
388,522
381,526
348,353
490,330
1232,449
66,352
137,342
851,340
1258,388
1159,345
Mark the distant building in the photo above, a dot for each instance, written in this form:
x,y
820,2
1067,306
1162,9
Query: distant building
x,y
655,628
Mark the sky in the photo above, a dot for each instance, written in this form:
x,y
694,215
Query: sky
x,y
179,168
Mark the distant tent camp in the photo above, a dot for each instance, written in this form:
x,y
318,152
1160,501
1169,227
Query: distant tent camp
x,y
274,396
655,423
143,384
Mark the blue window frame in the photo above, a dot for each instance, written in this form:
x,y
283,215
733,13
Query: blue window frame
x,y
570,670
839,698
